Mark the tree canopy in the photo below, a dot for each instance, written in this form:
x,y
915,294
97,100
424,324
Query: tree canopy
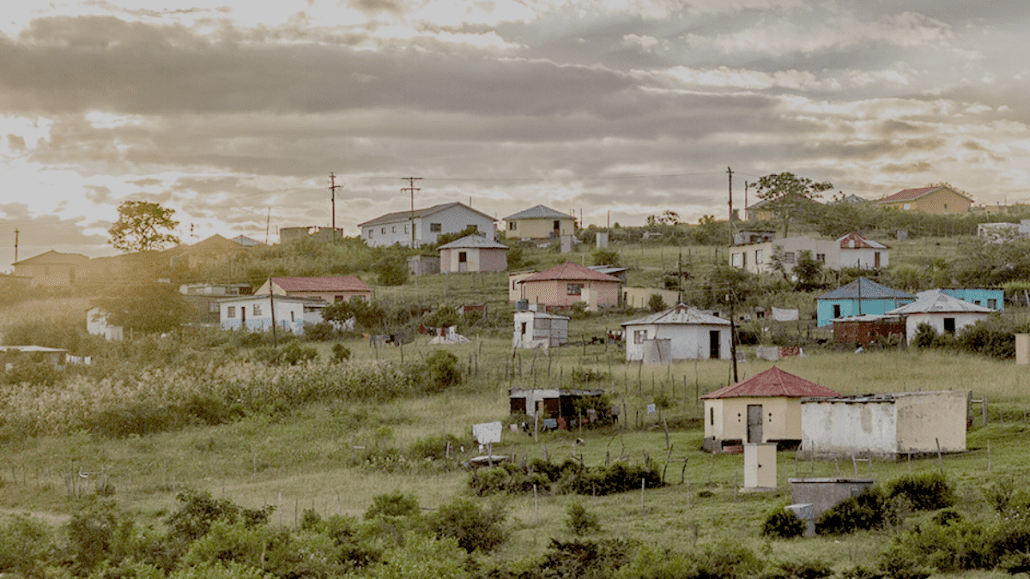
x,y
143,226
787,194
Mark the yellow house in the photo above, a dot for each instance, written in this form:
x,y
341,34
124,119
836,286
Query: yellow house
x,y
539,223
53,269
940,200
763,408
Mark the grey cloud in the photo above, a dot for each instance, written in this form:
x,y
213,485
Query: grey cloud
x,y
98,194
915,167
15,143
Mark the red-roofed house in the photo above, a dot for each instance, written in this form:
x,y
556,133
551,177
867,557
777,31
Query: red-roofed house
x,y
568,284
763,408
939,200
331,289
863,253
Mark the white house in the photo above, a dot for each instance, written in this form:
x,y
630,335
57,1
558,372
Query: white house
x,y
693,334
535,329
946,314
255,313
758,257
473,253
863,253
428,224
885,425
97,325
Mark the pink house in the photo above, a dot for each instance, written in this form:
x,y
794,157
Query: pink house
x,y
568,284
329,288
473,253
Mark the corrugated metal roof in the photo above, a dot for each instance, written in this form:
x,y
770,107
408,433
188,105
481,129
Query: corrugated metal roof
x,y
570,271
346,283
860,242
913,194
473,242
866,289
936,301
682,314
539,212
773,383
402,216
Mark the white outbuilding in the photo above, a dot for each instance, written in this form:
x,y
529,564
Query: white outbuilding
x,y
946,314
691,334
539,330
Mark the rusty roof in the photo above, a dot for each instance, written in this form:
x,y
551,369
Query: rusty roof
x,y
773,383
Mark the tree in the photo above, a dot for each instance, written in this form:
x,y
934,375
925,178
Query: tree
x,y
789,194
809,271
143,226
147,308
392,269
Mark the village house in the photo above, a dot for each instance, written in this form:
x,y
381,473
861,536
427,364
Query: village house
x,y
255,313
861,297
556,404
763,408
56,357
944,313
569,284
885,425
535,329
471,254
427,224
939,200
758,257
640,297
691,333
539,222
988,298
53,269
514,285
329,288
858,252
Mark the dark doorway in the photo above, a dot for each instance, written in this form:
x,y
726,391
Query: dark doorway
x,y
949,325
713,344
754,423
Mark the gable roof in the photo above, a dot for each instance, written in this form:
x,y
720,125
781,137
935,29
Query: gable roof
x,y
938,302
682,314
403,216
343,283
246,241
866,289
773,383
913,194
473,242
55,257
860,242
571,272
539,212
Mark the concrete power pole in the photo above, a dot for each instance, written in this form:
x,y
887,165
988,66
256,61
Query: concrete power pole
x,y
411,189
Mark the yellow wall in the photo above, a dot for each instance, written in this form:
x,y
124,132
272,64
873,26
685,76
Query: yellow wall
x,y
781,418
928,417
940,202
540,228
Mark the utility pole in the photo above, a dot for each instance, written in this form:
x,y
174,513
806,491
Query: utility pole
x,y
729,172
16,245
733,333
332,189
411,189
745,200
271,306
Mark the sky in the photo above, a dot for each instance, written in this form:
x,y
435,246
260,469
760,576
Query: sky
x,y
235,113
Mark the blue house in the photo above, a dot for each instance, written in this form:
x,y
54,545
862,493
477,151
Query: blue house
x,y
988,298
861,297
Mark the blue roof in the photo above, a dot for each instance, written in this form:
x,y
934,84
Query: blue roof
x,y
539,212
866,289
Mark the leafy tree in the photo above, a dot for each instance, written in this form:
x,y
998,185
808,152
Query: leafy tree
x,y
366,315
656,303
605,257
143,226
446,238
147,308
392,269
789,194
809,271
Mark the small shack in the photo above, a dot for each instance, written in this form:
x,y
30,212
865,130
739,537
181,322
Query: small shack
x,y
473,253
944,313
535,329
868,329
559,404
763,408
885,425
55,356
692,335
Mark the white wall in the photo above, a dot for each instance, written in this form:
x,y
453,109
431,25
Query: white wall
x,y
451,220
962,319
689,342
830,428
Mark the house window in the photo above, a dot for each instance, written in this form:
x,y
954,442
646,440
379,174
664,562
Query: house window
x,y
393,229
370,233
711,416
257,309
906,206
836,311
788,257
949,325
945,206
230,312
511,226
337,299
993,304
736,260
639,336
435,228
462,257
574,289
292,319
406,229
383,231
758,256
820,257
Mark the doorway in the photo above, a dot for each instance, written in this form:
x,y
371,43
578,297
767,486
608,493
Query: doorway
x,y
754,423
713,344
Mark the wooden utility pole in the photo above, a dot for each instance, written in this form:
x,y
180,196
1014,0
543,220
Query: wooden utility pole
x,y
729,173
271,305
411,189
733,334
332,190
16,245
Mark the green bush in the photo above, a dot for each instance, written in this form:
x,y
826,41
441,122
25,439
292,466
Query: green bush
x,y
474,527
869,510
395,504
584,559
946,543
783,524
441,371
25,546
579,521
799,569
341,353
434,447
198,510
925,336
927,491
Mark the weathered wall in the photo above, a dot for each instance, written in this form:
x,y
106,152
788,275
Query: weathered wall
x,y
926,417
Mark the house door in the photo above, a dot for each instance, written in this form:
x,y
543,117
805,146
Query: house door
x,y
754,423
463,259
557,228
876,260
243,316
713,344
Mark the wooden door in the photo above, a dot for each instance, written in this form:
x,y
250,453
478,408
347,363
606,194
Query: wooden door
x,y
754,423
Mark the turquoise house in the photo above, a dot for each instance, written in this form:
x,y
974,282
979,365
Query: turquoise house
x,y
988,298
861,297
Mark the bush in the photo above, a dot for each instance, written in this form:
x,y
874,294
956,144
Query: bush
x,y
584,559
925,492
925,336
433,447
341,353
25,545
395,504
579,521
783,524
869,510
441,371
473,526
656,303
800,569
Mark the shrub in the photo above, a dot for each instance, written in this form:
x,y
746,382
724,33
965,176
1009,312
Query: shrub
x,y
395,504
783,524
800,569
656,303
925,336
948,544
25,545
869,510
579,521
198,511
473,526
584,559
441,371
434,447
341,353
925,492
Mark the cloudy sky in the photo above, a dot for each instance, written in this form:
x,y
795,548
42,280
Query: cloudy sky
x,y
235,115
